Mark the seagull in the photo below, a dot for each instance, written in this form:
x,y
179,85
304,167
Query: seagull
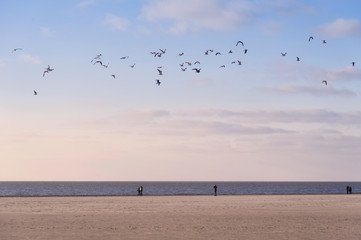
x,y
16,49
100,62
297,59
160,72
222,66
132,66
106,66
47,70
218,53
183,69
323,41
239,42
239,62
35,92
189,63
198,70
157,82
163,51
230,51
182,64
96,57
325,82
245,51
206,52
180,54
196,62
310,38
283,54
113,75
353,64
233,62
124,57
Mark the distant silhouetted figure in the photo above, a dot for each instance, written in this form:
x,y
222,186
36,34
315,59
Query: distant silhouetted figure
x,y
348,189
215,190
140,190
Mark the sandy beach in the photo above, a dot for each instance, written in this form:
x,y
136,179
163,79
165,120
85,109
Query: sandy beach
x,y
182,217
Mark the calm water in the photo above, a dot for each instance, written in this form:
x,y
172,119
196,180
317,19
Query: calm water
x,y
172,188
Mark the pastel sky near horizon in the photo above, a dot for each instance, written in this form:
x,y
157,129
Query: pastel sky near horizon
x,y
272,118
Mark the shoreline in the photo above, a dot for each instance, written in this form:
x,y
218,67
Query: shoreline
x,y
185,195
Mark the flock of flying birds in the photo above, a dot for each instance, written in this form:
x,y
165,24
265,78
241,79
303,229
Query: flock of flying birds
x,y
97,60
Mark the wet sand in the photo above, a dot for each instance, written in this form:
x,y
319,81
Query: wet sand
x,y
182,217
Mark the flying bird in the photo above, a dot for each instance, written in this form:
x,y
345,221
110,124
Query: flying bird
x,y
324,41
132,66
325,82
198,70
157,82
283,54
106,66
230,51
96,57
245,51
163,51
35,92
180,54
189,63
113,75
310,38
16,49
183,69
297,59
353,64
100,62
160,72
222,66
125,57
218,53
196,62
239,42
47,70
239,62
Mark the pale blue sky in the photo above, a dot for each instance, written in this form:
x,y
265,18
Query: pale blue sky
x,y
271,118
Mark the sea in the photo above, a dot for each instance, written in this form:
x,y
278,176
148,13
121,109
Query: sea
x,y
171,188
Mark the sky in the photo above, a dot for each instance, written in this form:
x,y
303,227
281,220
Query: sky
x,y
272,118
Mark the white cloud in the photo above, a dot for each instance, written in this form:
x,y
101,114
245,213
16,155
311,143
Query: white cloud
x,y
317,91
216,15
197,15
30,59
116,22
340,28
85,3
275,116
47,32
347,73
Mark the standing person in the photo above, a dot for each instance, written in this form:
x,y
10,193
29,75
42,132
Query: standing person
x,y
348,189
215,189
138,191
141,190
